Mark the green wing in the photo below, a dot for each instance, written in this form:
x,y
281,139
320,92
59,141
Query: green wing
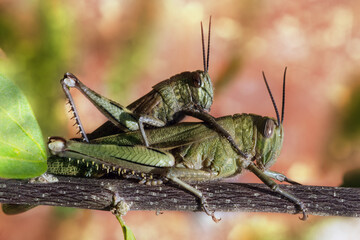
x,y
169,137
137,158
164,138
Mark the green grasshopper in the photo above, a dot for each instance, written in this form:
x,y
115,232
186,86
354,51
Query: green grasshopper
x,y
187,93
182,153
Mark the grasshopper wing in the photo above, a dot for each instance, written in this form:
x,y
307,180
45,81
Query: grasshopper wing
x,y
165,138
113,155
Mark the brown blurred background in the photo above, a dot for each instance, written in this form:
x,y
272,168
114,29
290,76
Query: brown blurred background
x,y
122,48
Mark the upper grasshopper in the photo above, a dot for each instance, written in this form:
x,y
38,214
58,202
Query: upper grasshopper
x,y
187,93
182,153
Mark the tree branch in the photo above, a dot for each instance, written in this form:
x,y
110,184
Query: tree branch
x,y
91,193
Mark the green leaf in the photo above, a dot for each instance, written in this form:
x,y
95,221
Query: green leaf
x,y
22,149
128,234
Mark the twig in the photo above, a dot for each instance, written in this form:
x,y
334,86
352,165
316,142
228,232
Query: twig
x,y
98,194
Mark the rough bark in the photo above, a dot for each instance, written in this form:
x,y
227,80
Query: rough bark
x,y
98,194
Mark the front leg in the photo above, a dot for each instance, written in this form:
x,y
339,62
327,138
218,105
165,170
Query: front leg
x,y
275,187
280,177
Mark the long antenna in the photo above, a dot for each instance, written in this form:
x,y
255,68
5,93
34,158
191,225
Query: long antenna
x,y
208,50
272,99
206,58
283,98
203,46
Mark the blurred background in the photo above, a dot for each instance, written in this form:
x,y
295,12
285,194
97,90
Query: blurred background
x,y
122,48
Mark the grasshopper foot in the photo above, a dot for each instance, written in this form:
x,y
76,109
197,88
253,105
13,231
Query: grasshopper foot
x,y
205,207
291,181
304,217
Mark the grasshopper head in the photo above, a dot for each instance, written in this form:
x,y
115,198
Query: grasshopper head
x,y
269,141
270,133
201,89
194,89
190,89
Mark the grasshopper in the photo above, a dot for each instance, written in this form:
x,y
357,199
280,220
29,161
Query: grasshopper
x,y
182,153
187,93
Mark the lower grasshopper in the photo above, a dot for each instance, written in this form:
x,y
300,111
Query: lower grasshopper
x,y
182,153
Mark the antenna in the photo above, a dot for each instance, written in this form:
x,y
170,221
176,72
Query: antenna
x,y
283,97
208,50
272,99
207,57
203,45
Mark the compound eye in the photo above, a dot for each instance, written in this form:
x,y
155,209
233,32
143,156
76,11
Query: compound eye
x,y
269,128
197,82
